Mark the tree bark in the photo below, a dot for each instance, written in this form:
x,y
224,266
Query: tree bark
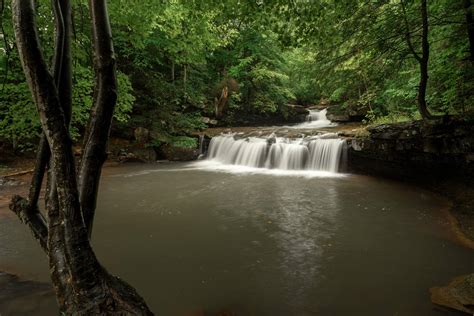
x,y
105,96
82,285
172,72
422,59
62,74
222,101
185,77
470,27
425,46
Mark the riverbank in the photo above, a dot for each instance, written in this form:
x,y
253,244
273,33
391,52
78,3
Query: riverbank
x,y
410,152
438,156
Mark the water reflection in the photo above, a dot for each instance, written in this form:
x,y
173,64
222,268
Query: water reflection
x,y
307,223
260,244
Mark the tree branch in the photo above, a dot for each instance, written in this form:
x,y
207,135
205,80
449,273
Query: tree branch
x,y
32,218
105,96
407,32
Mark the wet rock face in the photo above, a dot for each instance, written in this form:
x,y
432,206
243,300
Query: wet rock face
x,y
296,109
457,295
172,153
137,154
339,113
442,148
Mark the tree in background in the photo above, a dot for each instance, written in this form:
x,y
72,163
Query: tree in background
x,y
81,284
178,58
422,57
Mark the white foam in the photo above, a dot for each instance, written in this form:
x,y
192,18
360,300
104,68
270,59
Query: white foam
x,y
216,166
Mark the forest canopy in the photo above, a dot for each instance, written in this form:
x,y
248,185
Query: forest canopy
x,y
183,65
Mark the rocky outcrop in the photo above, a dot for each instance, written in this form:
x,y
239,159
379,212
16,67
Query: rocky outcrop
x,y
345,114
173,153
137,154
427,151
443,148
437,155
457,295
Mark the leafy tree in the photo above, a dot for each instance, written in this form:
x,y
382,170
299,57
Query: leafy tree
x,y
81,284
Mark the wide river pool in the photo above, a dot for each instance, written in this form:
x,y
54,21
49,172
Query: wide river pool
x,y
191,236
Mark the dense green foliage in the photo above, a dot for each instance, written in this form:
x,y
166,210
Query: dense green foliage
x,y
181,62
362,58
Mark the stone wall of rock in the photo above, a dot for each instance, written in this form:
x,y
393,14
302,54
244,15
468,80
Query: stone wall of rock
x,y
438,156
414,150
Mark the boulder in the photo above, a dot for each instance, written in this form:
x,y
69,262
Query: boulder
x,y
297,109
457,295
340,118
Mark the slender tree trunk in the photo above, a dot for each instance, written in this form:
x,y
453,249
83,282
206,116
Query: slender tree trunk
x,y
62,74
470,27
422,59
172,72
82,285
425,46
185,76
105,96
222,102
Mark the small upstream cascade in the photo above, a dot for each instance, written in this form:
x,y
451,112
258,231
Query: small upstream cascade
x,y
316,119
317,153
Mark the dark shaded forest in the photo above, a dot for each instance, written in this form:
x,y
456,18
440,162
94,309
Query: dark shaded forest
x,y
386,89
187,65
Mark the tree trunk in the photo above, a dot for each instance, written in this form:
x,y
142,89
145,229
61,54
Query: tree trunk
x,y
105,96
82,285
185,77
425,46
172,72
422,59
222,102
470,27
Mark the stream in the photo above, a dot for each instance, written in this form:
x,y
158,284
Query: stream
x,y
262,243
258,231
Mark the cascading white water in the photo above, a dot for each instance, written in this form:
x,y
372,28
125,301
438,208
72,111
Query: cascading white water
x,y
316,119
322,153
325,154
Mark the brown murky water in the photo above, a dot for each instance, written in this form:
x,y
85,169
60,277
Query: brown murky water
x,y
261,244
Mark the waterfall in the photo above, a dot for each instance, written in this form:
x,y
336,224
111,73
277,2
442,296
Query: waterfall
x,y
201,145
316,119
321,153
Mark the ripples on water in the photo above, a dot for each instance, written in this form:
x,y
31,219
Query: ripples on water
x,y
263,241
